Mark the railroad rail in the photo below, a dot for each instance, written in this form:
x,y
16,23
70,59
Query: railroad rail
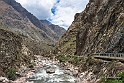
x,y
112,56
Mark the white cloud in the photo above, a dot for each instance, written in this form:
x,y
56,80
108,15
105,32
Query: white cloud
x,y
64,12
40,8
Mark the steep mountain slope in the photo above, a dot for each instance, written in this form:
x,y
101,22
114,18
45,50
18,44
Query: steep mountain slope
x,y
13,53
67,43
46,22
99,28
57,29
15,18
12,20
22,25
50,32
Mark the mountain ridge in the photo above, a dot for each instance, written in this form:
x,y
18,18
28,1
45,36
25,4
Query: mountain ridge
x,y
47,31
14,17
59,30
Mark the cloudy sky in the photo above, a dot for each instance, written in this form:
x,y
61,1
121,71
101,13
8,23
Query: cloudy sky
x,y
59,12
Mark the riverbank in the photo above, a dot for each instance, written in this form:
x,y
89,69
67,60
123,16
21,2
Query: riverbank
x,y
74,71
26,73
30,71
81,77
69,69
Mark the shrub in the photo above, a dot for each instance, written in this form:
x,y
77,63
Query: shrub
x,y
112,81
117,80
74,60
63,58
90,61
32,64
121,76
122,31
12,74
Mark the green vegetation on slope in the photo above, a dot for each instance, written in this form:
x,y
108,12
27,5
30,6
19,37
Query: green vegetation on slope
x,y
36,47
11,74
75,60
13,54
118,79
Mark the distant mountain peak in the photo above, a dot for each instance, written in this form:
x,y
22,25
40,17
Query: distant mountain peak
x,y
20,18
46,22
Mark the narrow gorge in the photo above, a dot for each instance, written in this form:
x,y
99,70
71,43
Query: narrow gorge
x,y
90,51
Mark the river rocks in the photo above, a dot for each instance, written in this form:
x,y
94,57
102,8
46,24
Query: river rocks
x,y
19,74
78,80
50,71
75,73
4,80
68,72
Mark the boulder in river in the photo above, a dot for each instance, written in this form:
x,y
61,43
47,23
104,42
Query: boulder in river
x,y
50,71
68,72
4,80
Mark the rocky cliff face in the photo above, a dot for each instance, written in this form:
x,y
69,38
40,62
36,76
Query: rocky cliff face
x,y
101,27
13,53
98,29
67,43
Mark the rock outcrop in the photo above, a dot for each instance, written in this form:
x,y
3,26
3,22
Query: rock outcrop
x,y
67,43
100,27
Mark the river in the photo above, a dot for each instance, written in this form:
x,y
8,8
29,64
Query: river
x,y
59,76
